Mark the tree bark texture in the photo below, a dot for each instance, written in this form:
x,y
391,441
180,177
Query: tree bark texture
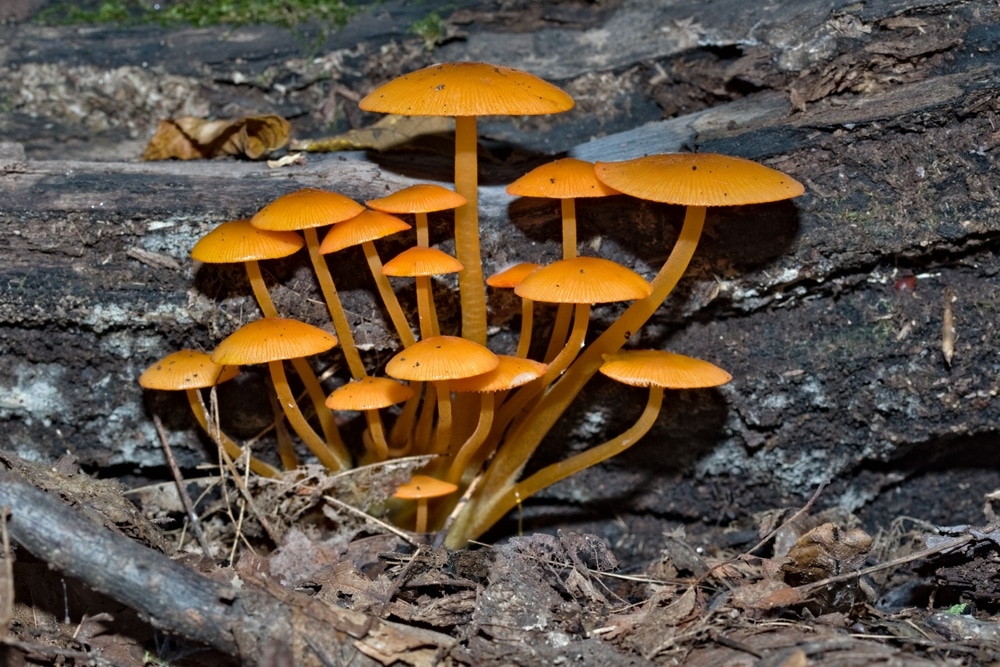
x,y
828,310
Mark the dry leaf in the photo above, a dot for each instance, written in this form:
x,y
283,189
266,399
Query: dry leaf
x,y
189,138
389,132
765,594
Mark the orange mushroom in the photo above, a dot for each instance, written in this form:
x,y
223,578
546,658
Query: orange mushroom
x,y
189,371
419,199
369,395
304,210
421,263
655,369
270,341
467,90
423,488
438,360
509,278
363,229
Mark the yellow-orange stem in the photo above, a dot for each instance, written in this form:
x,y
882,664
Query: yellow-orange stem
x,y
388,296
471,288
334,458
234,450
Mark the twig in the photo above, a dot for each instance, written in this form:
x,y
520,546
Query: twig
x,y
402,534
182,489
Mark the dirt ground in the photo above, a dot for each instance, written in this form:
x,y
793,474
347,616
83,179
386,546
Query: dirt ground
x,y
883,550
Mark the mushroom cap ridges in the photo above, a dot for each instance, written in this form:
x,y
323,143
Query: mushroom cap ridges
x,y
369,393
419,198
510,373
467,89
657,368
583,280
239,241
186,369
366,226
306,208
421,261
567,178
272,339
698,179
441,358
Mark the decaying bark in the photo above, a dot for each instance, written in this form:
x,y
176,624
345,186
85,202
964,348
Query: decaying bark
x,y
886,111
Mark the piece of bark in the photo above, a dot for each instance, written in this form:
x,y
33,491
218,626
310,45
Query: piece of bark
x,y
241,622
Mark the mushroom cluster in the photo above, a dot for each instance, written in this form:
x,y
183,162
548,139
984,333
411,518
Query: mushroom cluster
x,y
481,416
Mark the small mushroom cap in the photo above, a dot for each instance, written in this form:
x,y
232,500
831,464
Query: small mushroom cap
x,y
583,280
512,276
512,372
305,208
441,358
656,368
186,369
272,339
369,393
567,178
421,261
419,198
366,226
424,487
467,89
239,241
698,179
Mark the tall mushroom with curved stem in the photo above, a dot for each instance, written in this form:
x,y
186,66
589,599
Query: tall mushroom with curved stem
x,y
304,210
239,241
271,340
189,371
655,369
466,90
696,181
364,229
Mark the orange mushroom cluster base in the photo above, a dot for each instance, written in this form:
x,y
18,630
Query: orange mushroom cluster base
x,y
480,415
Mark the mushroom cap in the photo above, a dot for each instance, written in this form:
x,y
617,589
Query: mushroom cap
x,y
583,280
272,339
365,226
368,393
656,368
186,369
441,358
421,261
419,198
305,208
424,487
467,89
512,372
512,275
239,241
567,178
698,179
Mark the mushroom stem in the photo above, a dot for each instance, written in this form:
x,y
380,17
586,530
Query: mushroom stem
x,y
557,339
421,521
401,437
286,448
425,423
379,446
442,435
336,308
472,294
426,311
234,450
494,510
423,230
569,227
388,296
306,374
332,456
522,441
527,322
473,442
